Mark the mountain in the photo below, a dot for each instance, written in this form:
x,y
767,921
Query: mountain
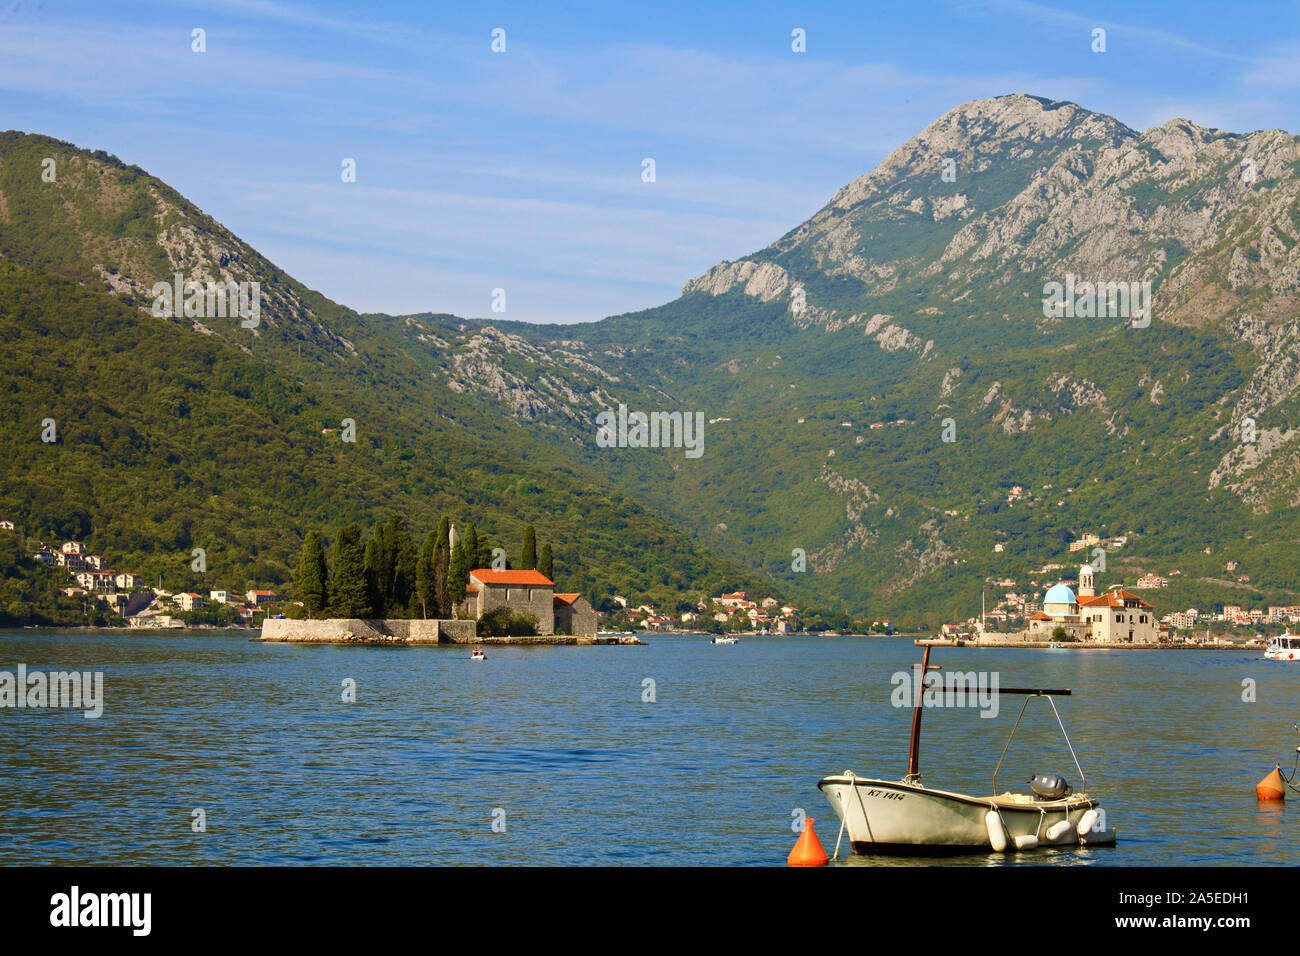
x,y
915,299
875,384
175,432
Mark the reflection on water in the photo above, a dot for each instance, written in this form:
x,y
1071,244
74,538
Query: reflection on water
x,y
585,771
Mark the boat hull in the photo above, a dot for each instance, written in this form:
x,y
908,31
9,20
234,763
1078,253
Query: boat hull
x,y
883,816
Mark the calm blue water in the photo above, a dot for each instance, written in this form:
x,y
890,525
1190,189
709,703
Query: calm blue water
x,y
585,771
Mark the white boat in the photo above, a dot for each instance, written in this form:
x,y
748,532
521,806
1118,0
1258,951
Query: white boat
x,y
477,655
724,639
1284,647
906,816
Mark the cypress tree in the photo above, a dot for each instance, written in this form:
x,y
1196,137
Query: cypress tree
x,y
370,565
350,596
312,580
544,564
441,558
402,589
528,559
386,565
424,575
470,544
457,571
484,553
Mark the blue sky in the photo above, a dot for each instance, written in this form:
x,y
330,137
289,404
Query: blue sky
x,y
522,170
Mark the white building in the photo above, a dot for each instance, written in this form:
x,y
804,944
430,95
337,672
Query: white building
x,y
189,601
1118,616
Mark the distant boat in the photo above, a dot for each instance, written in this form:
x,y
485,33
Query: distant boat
x,y
477,655
1284,647
724,639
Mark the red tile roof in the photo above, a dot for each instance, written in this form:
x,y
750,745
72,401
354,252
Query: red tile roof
x,y
566,598
488,576
1112,599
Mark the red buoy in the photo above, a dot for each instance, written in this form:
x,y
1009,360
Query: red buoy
x,y
1270,788
808,849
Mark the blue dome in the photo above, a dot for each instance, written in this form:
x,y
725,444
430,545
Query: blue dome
x,y
1060,594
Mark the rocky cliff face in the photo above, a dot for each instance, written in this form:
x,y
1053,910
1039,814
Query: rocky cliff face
x,y
1020,186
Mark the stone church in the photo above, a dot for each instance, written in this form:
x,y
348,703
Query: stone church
x,y
1118,616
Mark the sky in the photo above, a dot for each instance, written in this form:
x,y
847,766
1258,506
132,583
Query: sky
x,y
524,169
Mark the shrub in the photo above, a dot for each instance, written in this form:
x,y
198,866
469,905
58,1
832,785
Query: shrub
x,y
502,622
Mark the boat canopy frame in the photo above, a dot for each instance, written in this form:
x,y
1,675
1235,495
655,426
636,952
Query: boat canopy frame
x,y
914,748
1030,695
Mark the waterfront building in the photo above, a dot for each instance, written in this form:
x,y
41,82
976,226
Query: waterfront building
x,y
522,592
1116,616
574,615
189,601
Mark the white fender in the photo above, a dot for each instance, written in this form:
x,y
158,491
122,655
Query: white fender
x,y
1026,842
997,832
1087,822
1059,829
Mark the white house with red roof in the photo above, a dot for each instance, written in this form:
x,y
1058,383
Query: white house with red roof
x,y
188,601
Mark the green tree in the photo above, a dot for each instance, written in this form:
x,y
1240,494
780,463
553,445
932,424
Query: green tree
x,y
372,566
528,558
441,559
349,593
401,589
545,563
312,580
469,544
424,575
457,572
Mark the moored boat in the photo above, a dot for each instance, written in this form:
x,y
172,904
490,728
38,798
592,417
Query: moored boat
x,y
1284,647
724,639
906,816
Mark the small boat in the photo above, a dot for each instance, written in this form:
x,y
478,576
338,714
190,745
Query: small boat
x,y
906,816
476,655
1284,647
724,639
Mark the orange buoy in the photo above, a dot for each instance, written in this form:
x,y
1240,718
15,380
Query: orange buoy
x,y
1270,788
807,849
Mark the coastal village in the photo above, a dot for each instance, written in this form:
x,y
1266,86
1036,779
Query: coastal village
x,y
1059,606
127,593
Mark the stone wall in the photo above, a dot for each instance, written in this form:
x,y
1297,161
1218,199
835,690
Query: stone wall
x,y
339,630
577,618
521,599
